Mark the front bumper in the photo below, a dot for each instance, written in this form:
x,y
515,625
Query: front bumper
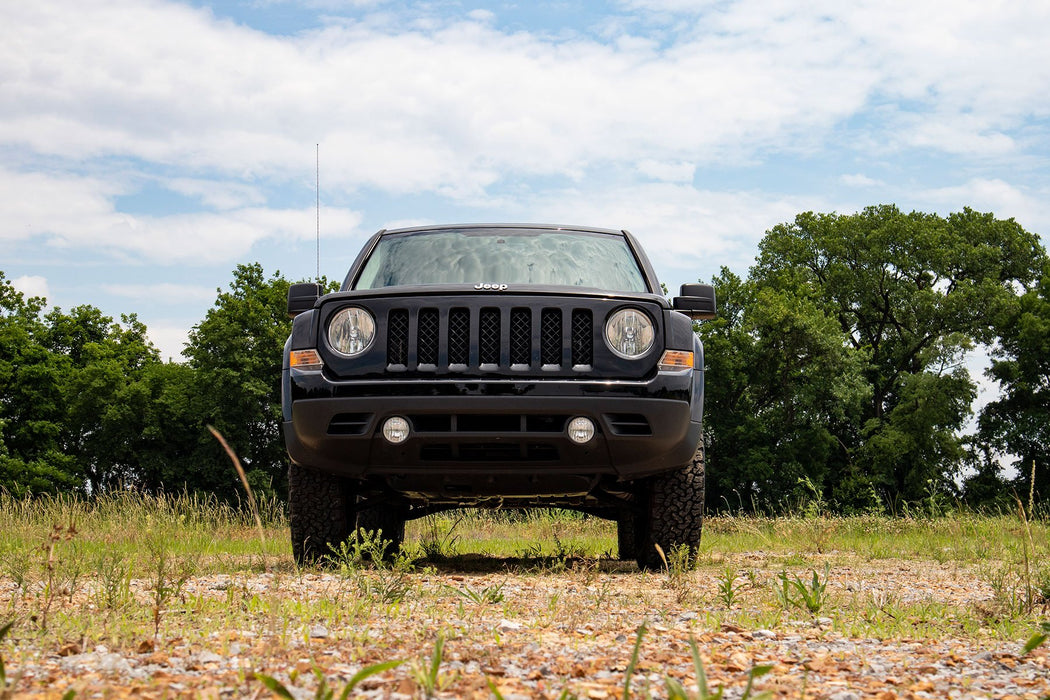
x,y
503,437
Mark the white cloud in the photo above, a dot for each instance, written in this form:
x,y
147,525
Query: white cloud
x,y
675,171
1030,209
860,180
685,231
218,194
164,292
411,106
78,212
458,106
169,339
32,286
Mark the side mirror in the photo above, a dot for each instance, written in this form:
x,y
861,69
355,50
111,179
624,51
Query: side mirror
x,y
301,297
697,301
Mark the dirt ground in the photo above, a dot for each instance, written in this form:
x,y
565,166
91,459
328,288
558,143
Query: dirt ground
x,y
533,629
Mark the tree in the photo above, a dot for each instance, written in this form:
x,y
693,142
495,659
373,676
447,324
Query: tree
x,y
912,293
236,354
783,385
1018,423
103,372
31,408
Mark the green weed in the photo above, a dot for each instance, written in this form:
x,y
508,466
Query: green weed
x,y
794,592
728,588
676,691
633,663
427,672
1037,639
362,558
489,595
679,566
324,692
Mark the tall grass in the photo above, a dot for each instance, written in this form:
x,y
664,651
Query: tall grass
x,y
128,523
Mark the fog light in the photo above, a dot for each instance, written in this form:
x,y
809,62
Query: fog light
x,y
395,430
581,430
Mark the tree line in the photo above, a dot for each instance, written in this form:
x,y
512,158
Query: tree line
x,y
87,405
834,371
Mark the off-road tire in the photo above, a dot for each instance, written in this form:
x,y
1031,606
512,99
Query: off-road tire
x,y
674,513
626,535
320,512
388,518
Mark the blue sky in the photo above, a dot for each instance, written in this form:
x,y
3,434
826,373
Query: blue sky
x,y
149,146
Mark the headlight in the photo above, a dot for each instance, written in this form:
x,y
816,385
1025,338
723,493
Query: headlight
x,y
629,333
351,331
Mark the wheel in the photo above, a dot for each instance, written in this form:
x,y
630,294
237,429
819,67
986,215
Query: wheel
x,y
674,512
320,511
389,521
626,536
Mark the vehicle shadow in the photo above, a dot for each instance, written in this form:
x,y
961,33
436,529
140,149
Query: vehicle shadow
x,y
488,564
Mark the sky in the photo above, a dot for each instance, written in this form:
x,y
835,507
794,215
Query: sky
x,y
148,147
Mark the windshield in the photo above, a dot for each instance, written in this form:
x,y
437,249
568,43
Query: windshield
x,y
503,256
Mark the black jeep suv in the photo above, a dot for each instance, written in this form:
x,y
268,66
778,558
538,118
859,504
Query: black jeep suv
x,y
496,366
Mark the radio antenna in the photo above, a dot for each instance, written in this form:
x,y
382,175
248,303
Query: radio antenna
x,y
317,191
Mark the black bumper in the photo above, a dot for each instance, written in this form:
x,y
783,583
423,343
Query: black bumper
x,y
506,437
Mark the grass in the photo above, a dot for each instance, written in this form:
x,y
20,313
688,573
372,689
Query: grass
x,y
130,571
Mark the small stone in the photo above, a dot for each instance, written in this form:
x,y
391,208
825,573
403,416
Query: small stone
x,y
209,657
764,634
509,625
318,632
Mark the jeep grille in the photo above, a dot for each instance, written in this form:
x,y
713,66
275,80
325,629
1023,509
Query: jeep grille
x,y
494,339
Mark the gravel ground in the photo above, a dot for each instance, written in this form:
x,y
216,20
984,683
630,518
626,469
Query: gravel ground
x,y
527,633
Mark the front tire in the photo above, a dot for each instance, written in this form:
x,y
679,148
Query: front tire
x,y
627,535
674,513
320,513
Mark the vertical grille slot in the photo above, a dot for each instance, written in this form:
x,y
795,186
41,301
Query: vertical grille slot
x,y
458,336
397,337
582,345
488,341
550,337
427,337
520,338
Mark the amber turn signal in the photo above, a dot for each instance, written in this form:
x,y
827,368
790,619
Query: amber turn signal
x,y
305,359
674,360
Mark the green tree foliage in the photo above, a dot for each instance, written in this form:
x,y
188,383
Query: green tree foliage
x,y
65,383
86,404
784,385
236,354
1018,423
31,415
908,295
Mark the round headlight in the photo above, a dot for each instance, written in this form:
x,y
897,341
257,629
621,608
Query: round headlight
x,y
395,430
629,333
351,331
581,430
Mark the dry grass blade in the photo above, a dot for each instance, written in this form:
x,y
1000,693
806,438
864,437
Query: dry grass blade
x,y
244,480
